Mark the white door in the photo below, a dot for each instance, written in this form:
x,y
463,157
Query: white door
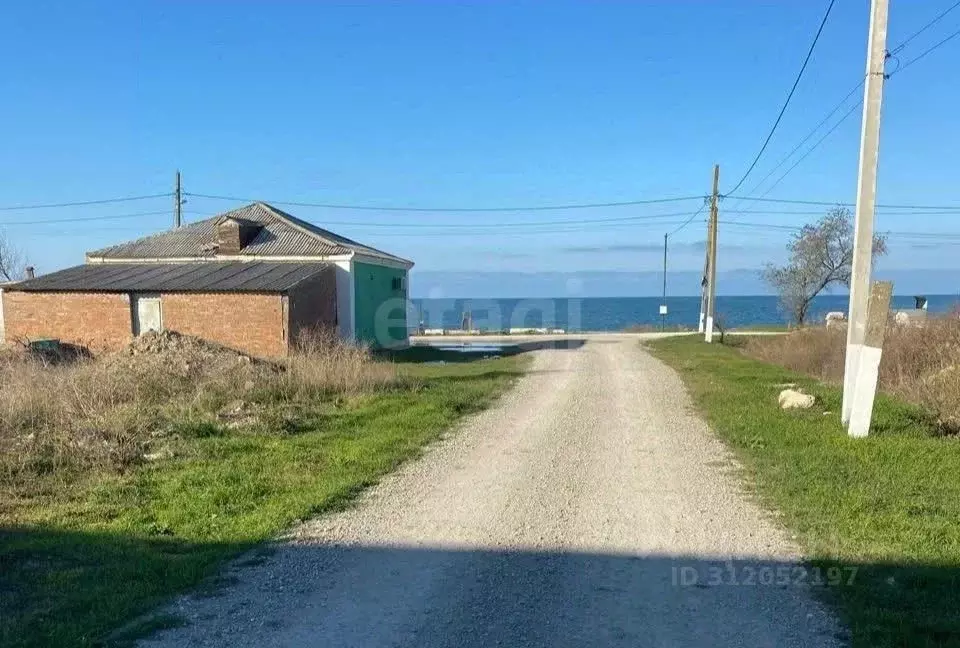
x,y
146,313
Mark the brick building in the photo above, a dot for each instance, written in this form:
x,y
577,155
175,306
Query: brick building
x,y
251,279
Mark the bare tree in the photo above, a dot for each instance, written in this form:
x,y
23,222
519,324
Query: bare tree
x,y
12,261
821,255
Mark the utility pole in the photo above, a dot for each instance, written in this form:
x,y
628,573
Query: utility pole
x,y
868,366
866,199
663,303
177,203
712,245
703,278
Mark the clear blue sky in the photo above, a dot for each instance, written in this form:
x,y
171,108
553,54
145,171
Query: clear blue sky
x,y
456,104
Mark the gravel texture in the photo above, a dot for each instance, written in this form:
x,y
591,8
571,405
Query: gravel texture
x,y
589,507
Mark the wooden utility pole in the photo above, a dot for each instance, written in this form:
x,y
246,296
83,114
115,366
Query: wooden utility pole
x,y
712,245
663,302
866,199
703,278
177,203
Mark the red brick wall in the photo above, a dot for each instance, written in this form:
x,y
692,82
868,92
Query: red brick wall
x,y
313,304
249,322
99,321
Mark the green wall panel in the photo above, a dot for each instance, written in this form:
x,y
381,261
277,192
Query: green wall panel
x,y
375,285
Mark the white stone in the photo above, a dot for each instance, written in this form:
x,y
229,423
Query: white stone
x,y
793,399
835,318
910,317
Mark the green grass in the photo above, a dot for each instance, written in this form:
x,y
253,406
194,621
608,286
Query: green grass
x,y
888,504
74,568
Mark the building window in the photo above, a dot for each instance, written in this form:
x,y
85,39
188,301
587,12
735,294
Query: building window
x,y
397,283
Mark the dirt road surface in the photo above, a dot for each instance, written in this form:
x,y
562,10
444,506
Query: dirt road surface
x,y
589,507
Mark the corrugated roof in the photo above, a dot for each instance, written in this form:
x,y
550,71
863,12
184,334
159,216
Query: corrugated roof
x,y
283,235
201,276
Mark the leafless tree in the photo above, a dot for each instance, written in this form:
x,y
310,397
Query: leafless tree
x,y
821,255
12,261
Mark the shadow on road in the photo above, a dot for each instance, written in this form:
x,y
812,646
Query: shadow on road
x,y
68,589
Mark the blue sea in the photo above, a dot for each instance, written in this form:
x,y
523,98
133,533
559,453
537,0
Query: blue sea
x,y
618,313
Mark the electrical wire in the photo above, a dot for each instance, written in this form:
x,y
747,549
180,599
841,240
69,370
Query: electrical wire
x,y
84,203
896,50
803,67
493,231
807,137
929,50
586,221
794,212
689,220
895,233
626,203
83,219
786,103
893,54
812,149
835,203
805,155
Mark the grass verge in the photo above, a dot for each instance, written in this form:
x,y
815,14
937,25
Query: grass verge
x,y
110,547
888,504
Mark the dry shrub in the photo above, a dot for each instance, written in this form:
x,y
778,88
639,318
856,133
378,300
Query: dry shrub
x,y
817,352
323,364
921,364
108,413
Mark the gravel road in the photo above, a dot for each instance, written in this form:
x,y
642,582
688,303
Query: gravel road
x,y
590,507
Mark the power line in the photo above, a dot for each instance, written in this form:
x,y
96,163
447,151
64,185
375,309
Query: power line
x,y
812,149
794,212
650,219
626,203
689,220
838,123
493,231
786,103
807,137
83,219
584,221
928,50
836,203
84,203
793,88
805,155
859,85
896,50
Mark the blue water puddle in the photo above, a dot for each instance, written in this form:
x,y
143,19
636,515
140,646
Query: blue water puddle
x,y
466,347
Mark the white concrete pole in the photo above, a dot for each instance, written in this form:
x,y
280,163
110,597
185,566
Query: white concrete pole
x,y
712,277
868,366
866,198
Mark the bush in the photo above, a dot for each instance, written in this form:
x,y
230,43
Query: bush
x,y
920,364
817,352
323,365
116,411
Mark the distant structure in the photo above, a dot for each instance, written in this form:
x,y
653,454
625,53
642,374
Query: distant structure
x,y
915,316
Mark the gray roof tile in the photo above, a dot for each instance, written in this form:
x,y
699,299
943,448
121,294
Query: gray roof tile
x,y
283,235
196,276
